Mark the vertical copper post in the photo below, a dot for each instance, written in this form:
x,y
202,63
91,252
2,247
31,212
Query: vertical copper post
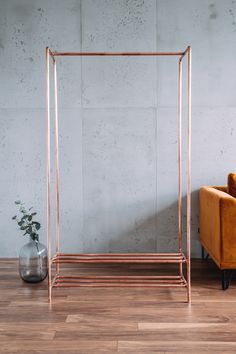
x,y
48,174
179,162
57,157
189,179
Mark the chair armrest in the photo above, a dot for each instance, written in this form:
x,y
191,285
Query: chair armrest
x,y
218,225
211,219
228,230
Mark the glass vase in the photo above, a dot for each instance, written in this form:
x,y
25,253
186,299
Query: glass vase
x,y
33,262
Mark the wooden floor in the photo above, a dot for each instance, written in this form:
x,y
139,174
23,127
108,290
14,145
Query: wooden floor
x,y
123,320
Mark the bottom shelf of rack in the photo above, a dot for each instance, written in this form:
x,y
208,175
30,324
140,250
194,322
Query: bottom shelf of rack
x,y
161,281
119,281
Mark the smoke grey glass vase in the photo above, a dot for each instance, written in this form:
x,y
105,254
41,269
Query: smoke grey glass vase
x,y
33,262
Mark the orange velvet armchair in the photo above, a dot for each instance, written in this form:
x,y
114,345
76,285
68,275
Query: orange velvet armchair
x,y
218,229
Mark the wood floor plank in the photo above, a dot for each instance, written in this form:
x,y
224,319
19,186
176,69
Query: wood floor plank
x,y
177,346
79,345
185,325
25,334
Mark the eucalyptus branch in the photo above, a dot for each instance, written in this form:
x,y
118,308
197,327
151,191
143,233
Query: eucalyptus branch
x,y
26,222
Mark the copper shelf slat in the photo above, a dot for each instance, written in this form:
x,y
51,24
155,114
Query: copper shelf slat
x,y
118,285
117,258
176,277
120,254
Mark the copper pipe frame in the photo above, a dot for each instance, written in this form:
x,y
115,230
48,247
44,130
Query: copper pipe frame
x,y
116,281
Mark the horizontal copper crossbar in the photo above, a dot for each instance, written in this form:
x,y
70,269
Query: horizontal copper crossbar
x,y
119,281
112,54
120,258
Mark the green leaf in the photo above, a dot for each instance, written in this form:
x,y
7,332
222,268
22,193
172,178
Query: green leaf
x,y
17,202
20,223
29,217
14,217
34,236
33,214
24,227
37,225
24,217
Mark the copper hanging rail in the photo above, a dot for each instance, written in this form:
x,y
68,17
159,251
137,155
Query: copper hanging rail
x,y
112,54
171,281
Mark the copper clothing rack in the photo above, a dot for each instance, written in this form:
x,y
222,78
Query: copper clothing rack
x,y
179,257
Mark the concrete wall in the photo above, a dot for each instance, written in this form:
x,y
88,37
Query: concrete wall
x,y
118,136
